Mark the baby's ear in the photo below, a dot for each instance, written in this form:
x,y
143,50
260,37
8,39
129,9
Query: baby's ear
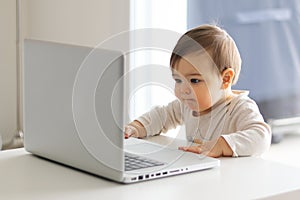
x,y
227,77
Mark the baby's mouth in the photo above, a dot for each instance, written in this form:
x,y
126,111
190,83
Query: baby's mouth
x,y
188,100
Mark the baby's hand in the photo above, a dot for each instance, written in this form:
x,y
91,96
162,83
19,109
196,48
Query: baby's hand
x,y
135,129
206,148
211,148
130,131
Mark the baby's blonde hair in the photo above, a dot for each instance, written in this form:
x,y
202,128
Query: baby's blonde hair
x,y
216,41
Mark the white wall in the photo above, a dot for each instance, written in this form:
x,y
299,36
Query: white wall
x,y
69,21
74,21
8,77
83,22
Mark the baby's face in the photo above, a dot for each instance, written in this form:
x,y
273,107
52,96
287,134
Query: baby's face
x,y
197,82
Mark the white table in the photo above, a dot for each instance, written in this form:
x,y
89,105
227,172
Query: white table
x,y
24,176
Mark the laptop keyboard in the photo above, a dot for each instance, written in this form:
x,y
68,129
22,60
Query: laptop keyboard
x,y
133,162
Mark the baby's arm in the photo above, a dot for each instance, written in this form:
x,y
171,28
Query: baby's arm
x,y
250,134
160,119
253,139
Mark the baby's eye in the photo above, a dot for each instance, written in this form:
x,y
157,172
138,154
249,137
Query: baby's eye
x,y
194,80
177,80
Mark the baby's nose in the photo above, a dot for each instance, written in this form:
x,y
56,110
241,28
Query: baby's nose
x,y
185,89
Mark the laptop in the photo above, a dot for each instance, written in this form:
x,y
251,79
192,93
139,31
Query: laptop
x,y
73,114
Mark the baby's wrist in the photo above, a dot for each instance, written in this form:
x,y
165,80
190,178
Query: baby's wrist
x,y
226,150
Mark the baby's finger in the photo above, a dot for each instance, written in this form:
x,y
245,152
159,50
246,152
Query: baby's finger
x,y
193,149
130,132
126,135
127,132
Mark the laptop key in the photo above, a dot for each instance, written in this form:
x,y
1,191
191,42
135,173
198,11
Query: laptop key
x,y
133,162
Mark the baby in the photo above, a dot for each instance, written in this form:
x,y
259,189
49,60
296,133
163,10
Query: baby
x,y
205,63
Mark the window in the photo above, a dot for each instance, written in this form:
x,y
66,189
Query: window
x,y
151,83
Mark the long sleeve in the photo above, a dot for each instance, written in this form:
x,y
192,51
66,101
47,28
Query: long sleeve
x,y
248,133
162,118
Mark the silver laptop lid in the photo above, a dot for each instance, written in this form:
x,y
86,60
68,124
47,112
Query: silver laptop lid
x,y
73,106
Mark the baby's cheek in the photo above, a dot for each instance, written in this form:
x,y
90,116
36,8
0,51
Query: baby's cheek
x,y
204,100
176,91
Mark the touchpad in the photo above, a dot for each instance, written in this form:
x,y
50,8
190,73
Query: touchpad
x,y
158,152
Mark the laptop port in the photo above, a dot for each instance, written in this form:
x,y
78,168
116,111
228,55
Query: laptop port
x,y
165,173
147,176
141,177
